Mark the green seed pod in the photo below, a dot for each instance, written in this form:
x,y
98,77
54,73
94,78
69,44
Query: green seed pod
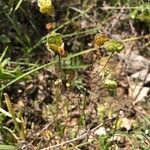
x,y
55,38
113,46
55,44
110,84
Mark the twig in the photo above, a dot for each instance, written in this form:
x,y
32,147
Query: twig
x,y
77,138
118,8
40,132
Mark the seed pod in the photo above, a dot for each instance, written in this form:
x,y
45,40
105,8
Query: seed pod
x,y
100,39
56,49
50,25
110,84
113,46
55,38
55,43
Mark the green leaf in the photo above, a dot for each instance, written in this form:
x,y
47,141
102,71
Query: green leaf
x,y
4,39
133,14
4,63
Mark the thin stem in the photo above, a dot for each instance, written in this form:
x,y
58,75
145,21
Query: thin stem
x,y
25,74
61,26
9,130
43,66
78,137
22,63
102,68
118,8
136,38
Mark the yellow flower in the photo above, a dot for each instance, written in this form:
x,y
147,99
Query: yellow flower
x,y
46,7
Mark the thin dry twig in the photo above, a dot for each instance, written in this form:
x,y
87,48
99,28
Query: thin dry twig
x,y
79,137
40,132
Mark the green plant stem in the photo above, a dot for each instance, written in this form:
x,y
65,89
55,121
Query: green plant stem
x,y
3,54
23,63
116,123
83,144
27,73
136,38
43,66
18,4
102,68
73,19
71,56
118,8
16,28
42,40
11,132
84,33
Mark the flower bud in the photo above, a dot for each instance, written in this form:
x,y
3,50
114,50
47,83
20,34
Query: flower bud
x,y
113,46
100,39
46,7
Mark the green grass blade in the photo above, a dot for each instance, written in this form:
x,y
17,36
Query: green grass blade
x,y
42,40
7,147
3,54
43,66
18,5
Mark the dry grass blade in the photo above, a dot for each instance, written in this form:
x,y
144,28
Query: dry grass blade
x,y
11,111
